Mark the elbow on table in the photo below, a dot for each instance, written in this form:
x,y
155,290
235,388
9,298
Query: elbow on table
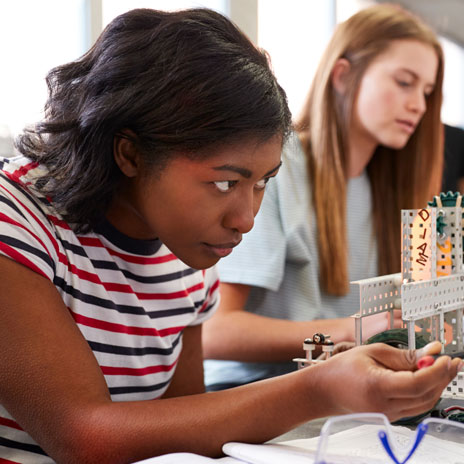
x,y
86,440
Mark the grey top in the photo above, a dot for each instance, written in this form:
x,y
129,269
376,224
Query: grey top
x,y
279,260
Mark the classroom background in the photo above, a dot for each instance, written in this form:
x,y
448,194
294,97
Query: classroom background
x,y
37,36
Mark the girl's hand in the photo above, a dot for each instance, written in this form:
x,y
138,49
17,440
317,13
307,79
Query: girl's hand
x,y
377,323
380,378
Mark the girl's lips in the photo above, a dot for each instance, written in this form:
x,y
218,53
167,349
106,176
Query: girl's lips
x,y
407,126
222,250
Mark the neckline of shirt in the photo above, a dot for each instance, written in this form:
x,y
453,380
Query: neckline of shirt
x,y
126,243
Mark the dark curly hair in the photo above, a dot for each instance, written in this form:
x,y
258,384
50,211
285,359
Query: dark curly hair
x,y
178,81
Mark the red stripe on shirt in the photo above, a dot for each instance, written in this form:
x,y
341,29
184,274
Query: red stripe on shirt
x,y
124,288
9,423
121,288
58,222
62,258
8,220
213,288
170,296
6,461
84,275
110,370
12,253
22,171
132,330
91,242
47,232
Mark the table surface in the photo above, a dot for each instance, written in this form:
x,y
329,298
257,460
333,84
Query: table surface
x,y
312,428
307,430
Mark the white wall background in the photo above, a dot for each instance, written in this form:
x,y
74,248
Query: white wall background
x,y
37,35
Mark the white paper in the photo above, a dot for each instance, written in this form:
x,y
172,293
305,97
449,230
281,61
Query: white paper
x,y
361,443
270,453
187,458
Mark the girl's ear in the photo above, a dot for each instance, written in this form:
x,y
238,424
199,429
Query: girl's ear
x,y
125,153
339,75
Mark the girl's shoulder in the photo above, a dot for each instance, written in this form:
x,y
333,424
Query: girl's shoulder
x,y
292,149
294,161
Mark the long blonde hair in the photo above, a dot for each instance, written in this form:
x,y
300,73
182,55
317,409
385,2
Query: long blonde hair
x,y
404,178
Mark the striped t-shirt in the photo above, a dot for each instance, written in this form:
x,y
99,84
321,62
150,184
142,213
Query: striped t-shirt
x,y
131,299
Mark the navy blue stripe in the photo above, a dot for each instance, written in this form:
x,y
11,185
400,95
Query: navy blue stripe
x,y
20,189
130,351
102,264
159,278
139,389
22,446
123,309
112,266
93,300
76,249
3,161
208,308
18,244
173,311
10,204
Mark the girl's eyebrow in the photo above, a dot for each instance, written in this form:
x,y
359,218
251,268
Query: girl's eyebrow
x,y
272,171
243,171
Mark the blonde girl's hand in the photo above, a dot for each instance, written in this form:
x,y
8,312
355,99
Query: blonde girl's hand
x,y
377,323
338,348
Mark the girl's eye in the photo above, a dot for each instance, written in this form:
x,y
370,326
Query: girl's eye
x,y
260,185
403,83
225,185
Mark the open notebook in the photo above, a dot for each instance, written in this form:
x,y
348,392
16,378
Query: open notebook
x,y
360,445
187,458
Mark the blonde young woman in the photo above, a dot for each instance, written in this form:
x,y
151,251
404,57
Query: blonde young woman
x,y
368,143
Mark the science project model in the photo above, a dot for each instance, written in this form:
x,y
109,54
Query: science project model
x,y
429,290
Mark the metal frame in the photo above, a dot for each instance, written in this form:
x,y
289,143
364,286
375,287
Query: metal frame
x,y
430,288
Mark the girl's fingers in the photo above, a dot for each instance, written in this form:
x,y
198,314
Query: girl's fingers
x,y
428,381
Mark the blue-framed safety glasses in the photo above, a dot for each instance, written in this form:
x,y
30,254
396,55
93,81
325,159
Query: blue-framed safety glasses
x,y
366,438
369,438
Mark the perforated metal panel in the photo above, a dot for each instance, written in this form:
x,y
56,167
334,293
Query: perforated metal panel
x,y
432,297
454,322
455,388
378,294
